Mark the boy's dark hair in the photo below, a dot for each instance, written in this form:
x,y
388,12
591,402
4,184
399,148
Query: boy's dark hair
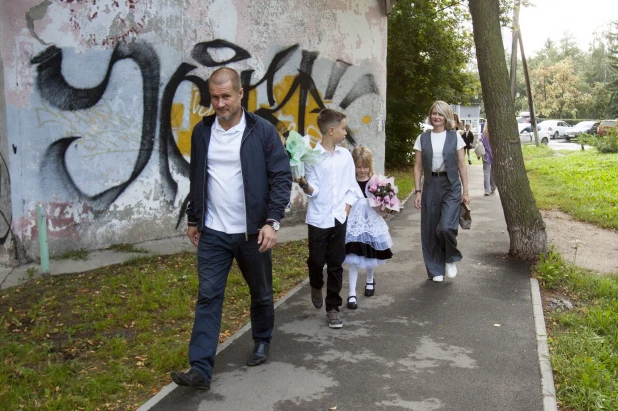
x,y
329,118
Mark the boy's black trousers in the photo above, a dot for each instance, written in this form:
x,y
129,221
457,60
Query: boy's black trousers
x,y
327,247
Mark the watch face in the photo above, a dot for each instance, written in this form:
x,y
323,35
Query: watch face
x,y
275,225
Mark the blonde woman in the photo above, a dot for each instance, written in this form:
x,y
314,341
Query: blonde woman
x,y
439,156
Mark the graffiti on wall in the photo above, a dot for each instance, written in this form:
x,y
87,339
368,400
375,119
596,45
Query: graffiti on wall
x,y
292,103
6,215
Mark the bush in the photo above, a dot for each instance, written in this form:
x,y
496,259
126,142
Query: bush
x,y
605,144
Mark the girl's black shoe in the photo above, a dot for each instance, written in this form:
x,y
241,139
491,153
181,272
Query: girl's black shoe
x,y
368,292
352,304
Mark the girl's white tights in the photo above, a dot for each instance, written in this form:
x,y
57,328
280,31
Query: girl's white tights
x,y
370,278
353,271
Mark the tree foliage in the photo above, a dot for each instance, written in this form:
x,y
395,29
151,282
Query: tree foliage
x,y
556,89
428,52
568,82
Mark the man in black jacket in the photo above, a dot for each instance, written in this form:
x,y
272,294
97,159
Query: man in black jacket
x,y
240,184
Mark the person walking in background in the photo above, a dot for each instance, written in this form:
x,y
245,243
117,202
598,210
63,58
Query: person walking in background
x,y
439,156
488,160
459,126
240,184
468,137
332,190
367,239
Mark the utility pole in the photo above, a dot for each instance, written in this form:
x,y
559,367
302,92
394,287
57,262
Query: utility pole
x,y
516,6
517,38
528,90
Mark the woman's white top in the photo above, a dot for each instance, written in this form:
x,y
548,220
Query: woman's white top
x,y
437,145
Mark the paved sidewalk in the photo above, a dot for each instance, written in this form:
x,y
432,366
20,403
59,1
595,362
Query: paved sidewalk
x,y
468,344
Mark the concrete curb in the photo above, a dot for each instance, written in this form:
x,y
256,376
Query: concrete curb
x,y
547,377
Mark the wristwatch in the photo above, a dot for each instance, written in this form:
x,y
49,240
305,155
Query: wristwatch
x,y
274,224
416,191
303,186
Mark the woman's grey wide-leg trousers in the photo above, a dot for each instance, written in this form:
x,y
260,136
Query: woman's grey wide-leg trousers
x,y
440,203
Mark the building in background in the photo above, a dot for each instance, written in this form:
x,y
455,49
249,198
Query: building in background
x,y
98,99
470,115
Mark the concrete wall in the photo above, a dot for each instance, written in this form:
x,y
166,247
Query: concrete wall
x,y
467,112
101,96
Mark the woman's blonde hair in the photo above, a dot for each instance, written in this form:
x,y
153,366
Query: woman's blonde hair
x,y
444,109
486,130
458,123
363,156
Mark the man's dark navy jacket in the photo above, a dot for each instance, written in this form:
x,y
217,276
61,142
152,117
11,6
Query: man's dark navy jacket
x,y
266,175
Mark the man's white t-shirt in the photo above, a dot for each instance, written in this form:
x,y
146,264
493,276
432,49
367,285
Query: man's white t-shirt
x,y
225,202
437,145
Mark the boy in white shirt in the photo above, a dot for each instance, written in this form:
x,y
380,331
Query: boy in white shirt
x,y
332,190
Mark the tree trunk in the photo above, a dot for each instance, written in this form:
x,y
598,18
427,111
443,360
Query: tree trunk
x,y
524,222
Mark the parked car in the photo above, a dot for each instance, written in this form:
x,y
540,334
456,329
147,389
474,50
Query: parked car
x,y
605,124
555,128
526,136
589,127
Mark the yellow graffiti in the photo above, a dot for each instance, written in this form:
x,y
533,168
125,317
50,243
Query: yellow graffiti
x,y
288,114
183,130
104,129
182,124
366,119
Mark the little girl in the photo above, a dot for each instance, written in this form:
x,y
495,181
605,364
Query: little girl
x,y
367,239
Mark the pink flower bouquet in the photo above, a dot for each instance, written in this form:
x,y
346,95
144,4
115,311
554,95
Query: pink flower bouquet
x,y
382,194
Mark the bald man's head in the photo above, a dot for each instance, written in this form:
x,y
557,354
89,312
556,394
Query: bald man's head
x,y
223,75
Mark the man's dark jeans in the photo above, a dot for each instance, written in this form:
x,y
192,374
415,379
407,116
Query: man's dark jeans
x,y
216,250
327,246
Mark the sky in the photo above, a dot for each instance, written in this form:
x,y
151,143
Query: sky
x,y
551,18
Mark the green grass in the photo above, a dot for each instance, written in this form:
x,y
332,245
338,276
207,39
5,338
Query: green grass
x,y
581,183
404,180
108,338
77,255
583,341
531,151
126,248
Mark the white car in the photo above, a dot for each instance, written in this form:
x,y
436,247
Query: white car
x,y
526,136
555,128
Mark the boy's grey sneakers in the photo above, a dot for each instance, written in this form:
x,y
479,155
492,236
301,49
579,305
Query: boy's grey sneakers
x,y
316,297
438,278
333,319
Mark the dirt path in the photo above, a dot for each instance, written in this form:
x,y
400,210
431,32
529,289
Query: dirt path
x,y
597,248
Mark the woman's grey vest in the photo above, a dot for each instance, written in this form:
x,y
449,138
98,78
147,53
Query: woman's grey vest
x,y
449,152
